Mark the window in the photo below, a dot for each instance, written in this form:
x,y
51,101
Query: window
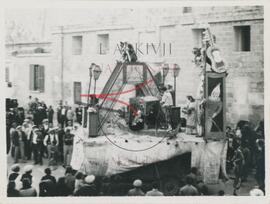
x,y
242,38
103,44
76,45
197,37
37,78
187,9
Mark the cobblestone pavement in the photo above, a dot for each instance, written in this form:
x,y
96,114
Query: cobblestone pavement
x,y
38,172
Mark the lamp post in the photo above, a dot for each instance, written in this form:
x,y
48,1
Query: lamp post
x,y
96,72
176,70
165,69
89,87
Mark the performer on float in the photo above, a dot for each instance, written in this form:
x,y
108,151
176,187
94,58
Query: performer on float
x,y
213,105
77,154
190,111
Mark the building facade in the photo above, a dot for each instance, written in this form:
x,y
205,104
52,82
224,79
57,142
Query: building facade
x,y
59,69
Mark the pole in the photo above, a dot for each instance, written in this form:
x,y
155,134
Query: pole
x,y
62,64
95,87
174,99
89,87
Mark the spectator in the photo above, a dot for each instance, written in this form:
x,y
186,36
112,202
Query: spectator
x,y
193,175
256,191
188,189
47,188
260,164
12,137
11,191
154,191
69,126
70,179
79,181
63,116
27,190
27,129
61,133
62,188
70,115
89,188
27,173
49,140
79,114
238,161
48,176
247,163
22,141
37,144
15,168
221,193
136,191
68,147
50,113
16,144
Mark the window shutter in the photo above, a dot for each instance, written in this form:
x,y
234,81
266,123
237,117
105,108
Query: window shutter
x,y
31,77
41,77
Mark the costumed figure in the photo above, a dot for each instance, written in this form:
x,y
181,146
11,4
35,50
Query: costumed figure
x,y
213,105
190,111
77,154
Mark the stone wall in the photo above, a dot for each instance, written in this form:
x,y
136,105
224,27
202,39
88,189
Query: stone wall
x,y
245,81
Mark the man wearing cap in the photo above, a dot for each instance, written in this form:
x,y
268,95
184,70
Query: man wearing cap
x,y
19,143
89,188
15,176
37,144
50,140
27,173
136,191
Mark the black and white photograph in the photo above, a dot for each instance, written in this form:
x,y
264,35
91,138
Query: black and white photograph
x,y
135,101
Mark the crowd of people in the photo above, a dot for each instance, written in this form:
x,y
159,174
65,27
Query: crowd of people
x,y
33,133
246,153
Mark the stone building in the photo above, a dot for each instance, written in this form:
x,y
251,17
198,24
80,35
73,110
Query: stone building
x,y
159,36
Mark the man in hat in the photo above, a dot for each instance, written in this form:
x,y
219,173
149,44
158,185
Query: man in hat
x,y
256,191
37,144
89,188
50,140
15,176
136,191
27,173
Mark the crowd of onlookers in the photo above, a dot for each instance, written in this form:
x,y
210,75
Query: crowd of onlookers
x,y
246,153
35,132
75,183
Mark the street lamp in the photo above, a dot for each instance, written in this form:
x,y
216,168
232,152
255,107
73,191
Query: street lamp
x,y
176,70
165,69
97,71
90,75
